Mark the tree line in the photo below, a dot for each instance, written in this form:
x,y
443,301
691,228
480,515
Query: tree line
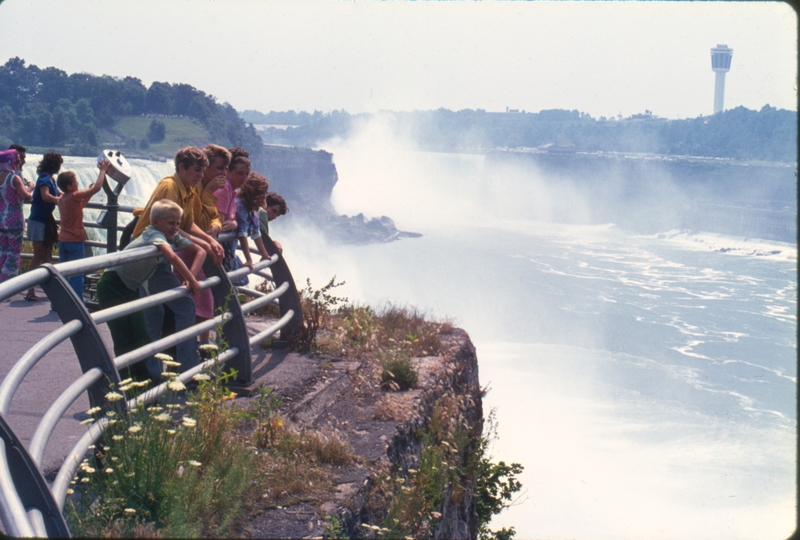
x,y
47,108
769,134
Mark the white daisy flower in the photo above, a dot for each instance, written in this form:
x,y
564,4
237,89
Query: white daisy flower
x,y
176,386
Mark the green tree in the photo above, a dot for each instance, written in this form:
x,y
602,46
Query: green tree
x,y
134,92
158,99
156,132
495,486
84,111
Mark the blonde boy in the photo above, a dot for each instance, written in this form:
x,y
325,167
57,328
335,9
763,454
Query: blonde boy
x,y
123,283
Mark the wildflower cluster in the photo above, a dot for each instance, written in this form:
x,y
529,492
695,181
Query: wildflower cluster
x,y
173,466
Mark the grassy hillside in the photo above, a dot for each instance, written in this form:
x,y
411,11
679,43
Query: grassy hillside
x,y
180,132
127,133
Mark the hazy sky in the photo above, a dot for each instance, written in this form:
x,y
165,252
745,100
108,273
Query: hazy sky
x,y
603,58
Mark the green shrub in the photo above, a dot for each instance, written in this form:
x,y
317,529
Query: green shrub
x,y
318,305
399,372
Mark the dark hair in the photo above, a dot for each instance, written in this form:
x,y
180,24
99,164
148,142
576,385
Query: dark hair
x,y
273,199
65,179
17,147
190,156
214,151
239,160
254,187
237,151
50,163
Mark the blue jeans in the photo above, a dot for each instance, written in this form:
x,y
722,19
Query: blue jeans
x,y
163,280
72,251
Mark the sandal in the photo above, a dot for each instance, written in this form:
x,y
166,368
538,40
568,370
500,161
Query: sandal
x,y
31,297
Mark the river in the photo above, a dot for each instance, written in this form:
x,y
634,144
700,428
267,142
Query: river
x,y
646,382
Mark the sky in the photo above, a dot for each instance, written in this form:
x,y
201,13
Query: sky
x,y
601,58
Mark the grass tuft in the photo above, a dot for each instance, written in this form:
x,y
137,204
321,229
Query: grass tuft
x,y
399,372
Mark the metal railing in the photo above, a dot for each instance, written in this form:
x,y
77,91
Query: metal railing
x,y
29,506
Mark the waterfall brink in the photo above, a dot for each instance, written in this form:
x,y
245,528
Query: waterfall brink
x,y
145,174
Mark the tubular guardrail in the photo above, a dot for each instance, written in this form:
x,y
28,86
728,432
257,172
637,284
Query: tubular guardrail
x,y
28,505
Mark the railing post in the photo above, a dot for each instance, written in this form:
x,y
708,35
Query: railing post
x,y
110,218
29,484
234,331
290,299
89,346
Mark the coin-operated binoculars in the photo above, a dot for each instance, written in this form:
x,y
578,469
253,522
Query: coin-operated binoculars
x,y
119,172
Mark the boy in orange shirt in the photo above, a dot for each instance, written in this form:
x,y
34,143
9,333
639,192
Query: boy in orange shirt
x,y
72,235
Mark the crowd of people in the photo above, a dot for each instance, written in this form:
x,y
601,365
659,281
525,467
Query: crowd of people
x,y
212,191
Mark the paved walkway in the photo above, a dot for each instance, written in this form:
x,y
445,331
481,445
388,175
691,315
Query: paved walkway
x,y
25,323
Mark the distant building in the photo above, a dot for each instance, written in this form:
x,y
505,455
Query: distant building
x,y
648,115
721,56
551,148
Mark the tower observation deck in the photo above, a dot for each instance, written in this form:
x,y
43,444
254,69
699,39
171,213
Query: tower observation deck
x,y
721,56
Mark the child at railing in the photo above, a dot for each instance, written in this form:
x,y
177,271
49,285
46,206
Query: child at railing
x,y
120,284
190,164
273,207
72,234
238,170
252,195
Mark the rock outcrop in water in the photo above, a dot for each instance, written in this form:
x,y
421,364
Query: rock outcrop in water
x,y
306,178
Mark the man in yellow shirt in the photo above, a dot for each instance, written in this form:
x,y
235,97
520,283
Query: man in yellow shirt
x,y
190,164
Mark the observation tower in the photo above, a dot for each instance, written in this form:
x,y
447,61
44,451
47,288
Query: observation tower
x,y
721,56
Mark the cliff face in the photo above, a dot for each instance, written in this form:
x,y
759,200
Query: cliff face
x,y
414,451
445,424
305,178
